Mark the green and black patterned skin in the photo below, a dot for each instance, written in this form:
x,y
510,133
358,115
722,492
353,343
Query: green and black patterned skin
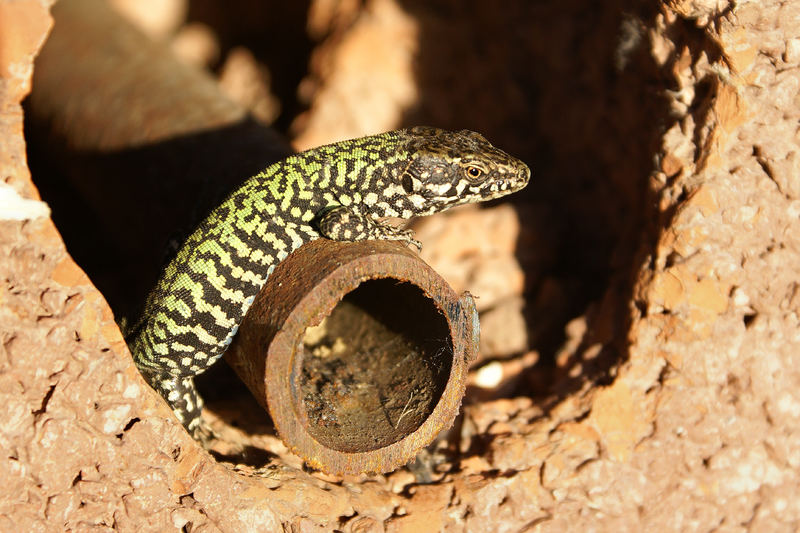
x,y
338,191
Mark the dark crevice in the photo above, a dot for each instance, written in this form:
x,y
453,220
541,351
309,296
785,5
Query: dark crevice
x,y
132,422
45,401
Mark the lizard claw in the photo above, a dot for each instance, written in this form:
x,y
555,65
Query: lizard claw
x,y
407,236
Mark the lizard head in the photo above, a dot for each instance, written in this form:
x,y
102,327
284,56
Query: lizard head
x,y
447,168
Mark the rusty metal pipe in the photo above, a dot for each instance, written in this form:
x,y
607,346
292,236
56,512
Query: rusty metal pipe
x,y
358,350
360,353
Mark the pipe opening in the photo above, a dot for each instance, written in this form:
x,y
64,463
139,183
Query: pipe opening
x,y
374,370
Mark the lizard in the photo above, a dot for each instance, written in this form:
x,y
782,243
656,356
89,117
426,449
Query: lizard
x,y
340,191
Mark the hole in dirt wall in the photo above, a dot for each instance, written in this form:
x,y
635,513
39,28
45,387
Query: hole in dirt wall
x,y
571,89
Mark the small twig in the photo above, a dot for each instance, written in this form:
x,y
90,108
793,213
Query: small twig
x,y
405,410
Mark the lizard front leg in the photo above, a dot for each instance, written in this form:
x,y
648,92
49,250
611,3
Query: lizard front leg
x,y
342,223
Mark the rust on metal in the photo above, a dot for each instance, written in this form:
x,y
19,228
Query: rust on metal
x,y
359,351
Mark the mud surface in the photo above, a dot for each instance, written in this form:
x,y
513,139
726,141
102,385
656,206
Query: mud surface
x,y
372,373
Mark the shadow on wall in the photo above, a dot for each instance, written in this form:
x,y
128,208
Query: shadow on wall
x,y
275,32
567,87
118,212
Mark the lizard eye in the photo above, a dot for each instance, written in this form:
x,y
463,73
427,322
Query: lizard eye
x,y
474,172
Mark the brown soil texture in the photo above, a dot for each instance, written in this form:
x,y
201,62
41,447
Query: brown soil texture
x,y
640,300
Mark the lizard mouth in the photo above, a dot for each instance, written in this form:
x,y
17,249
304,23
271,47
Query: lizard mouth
x,y
511,183
500,185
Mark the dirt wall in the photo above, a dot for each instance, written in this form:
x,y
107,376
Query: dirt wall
x,y
639,301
